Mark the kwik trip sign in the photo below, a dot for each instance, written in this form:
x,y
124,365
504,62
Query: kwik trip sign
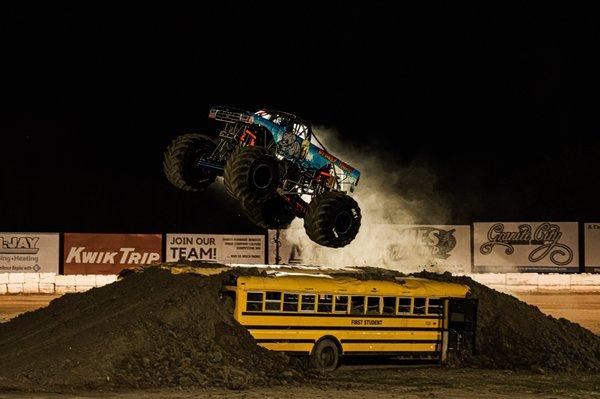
x,y
29,252
526,246
109,253
216,248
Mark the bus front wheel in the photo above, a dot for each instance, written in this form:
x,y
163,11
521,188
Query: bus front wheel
x,y
325,356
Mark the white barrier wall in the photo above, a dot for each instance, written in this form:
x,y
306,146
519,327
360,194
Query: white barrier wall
x,y
50,283
539,282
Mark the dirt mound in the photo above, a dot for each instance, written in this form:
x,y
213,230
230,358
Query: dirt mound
x,y
514,335
158,329
153,329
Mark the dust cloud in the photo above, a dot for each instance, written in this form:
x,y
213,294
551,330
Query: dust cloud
x,y
388,193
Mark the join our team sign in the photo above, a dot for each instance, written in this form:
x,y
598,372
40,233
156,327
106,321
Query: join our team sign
x,y
216,248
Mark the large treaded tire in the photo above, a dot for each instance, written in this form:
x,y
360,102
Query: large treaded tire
x,y
332,219
274,213
251,174
179,162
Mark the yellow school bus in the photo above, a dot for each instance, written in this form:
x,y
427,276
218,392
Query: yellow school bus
x,y
329,317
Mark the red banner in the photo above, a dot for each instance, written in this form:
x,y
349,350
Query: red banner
x,y
109,253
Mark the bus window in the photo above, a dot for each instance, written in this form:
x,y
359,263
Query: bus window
x,y
358,305
325,303
341,304
254,301
419,307
290,302
435,306
373,305
273,301
389,305
404,305
308,303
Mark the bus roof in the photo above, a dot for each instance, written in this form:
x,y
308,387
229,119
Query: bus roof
x,y
409,286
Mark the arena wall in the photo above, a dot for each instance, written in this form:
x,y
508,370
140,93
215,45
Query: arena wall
x,y
50,283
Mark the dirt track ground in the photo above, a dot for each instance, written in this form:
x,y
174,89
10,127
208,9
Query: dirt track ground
x,y
389,381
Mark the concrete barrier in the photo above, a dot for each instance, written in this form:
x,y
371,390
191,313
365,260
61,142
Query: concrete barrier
x,y
16,278
50,283
64,281
14,288
47,288
31,287
104,279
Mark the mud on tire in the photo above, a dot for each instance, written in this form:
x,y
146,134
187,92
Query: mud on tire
x,y
332,219
180,162
251,174
273,213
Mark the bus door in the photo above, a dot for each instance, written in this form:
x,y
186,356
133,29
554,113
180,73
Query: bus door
x,y
462,324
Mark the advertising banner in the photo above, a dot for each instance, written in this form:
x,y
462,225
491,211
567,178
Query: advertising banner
x,y
245,249
109,253
29,252
526,247
591,236
407,248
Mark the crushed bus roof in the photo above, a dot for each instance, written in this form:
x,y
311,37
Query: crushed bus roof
x,y
410,286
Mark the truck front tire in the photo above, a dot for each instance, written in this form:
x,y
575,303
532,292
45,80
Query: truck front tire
x,y
332,219
181,159
251,174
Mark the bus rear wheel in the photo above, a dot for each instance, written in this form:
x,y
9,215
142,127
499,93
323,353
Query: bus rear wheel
x,y
325,356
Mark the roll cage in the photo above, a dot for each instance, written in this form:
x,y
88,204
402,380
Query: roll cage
x,y
300,127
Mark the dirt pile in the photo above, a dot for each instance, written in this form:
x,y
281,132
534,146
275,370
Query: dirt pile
x,y
153,329
514,335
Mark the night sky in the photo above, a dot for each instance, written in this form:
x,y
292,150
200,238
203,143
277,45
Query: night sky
x,y
501,104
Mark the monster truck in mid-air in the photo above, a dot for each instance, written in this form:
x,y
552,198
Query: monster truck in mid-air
x,y
271,162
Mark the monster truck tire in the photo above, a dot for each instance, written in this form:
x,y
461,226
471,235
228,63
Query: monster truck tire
x,y
180,158
251,174
332,219
273,213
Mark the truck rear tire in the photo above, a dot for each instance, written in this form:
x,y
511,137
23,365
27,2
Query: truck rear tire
x,y
325,356
180,163
251,174
332,219
274,213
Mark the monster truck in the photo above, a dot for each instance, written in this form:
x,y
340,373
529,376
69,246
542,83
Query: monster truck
x,y
272,162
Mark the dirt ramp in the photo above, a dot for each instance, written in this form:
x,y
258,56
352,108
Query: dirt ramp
x,y
153,329
514,335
